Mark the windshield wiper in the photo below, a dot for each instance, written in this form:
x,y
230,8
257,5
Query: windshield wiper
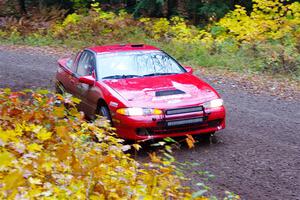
x,y
159,74
120,76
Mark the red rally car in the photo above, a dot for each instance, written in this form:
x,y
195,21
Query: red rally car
x,y
143,91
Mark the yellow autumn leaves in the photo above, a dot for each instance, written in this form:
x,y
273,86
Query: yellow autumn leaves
x,y
49,152
34,147
268,20
6,159
41,134
176,29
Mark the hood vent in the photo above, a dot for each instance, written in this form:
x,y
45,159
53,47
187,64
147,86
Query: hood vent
x,y
168,92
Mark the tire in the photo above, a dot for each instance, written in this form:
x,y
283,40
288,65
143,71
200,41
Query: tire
x,y
208,137
104,112
59,89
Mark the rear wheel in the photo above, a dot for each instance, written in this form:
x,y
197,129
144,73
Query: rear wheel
x,y
59,88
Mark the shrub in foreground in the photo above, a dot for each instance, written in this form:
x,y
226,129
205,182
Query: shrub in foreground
x,y
48,151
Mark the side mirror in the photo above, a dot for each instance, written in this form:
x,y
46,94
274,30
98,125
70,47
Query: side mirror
x,y
189,69
89,80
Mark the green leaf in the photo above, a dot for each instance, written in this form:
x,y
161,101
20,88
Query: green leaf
x,y
199,193
75,100
7,90
42,92
27,90
200,184
168,139
195,164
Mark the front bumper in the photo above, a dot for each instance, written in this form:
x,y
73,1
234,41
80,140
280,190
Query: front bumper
x,y
152,127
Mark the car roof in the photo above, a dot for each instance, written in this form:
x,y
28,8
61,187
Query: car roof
x,y
121,47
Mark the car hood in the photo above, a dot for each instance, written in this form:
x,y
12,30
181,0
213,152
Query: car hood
x,y
163,91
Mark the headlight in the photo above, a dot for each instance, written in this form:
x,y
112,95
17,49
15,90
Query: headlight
x,y
139,111
213,103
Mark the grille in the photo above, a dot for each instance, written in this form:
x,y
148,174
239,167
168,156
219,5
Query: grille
x,y
185,122
184,110
180,129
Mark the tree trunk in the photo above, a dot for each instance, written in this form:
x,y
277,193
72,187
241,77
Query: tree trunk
x,y
165,8
41,4
182,8
171,6
22,7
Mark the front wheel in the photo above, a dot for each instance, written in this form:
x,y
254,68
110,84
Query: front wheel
x,y
104,112
208,137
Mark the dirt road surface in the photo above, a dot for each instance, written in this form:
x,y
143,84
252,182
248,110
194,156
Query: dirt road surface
x,y
257,156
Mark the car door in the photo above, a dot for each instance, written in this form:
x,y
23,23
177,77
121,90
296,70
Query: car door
x,y
72,78
86,67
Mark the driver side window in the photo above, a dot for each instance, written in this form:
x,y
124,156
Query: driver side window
x,y
86,64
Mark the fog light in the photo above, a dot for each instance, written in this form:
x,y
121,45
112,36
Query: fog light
x,y
142,132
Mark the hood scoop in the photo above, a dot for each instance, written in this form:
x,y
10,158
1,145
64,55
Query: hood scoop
x,y
168,92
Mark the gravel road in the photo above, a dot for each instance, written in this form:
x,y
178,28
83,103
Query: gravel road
x,y
257,156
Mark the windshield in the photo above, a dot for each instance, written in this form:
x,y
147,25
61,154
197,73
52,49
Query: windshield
x,y
132,64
